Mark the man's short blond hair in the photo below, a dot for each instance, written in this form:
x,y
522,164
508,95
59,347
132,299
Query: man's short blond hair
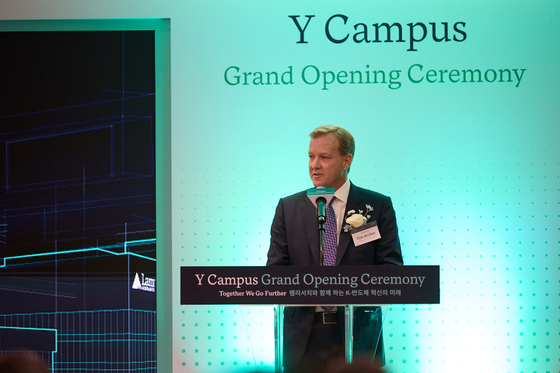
x,y
345,139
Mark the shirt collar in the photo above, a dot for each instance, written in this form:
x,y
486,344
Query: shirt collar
x,y
343,191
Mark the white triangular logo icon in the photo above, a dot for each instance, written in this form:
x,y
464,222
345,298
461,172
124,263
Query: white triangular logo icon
x,y
136,283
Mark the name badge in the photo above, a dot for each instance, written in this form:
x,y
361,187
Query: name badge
x,y
366,233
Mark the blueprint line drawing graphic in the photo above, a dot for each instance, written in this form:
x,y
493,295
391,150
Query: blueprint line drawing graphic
x,y
77,199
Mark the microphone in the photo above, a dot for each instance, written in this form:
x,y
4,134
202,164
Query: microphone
x,y
320,197
321,210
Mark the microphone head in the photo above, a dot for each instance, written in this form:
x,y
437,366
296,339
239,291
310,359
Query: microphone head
x,y
315,193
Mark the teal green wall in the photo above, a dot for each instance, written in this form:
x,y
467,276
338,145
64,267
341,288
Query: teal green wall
x,y
472,169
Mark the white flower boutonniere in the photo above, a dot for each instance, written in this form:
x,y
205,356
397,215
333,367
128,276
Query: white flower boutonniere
x,y
355,220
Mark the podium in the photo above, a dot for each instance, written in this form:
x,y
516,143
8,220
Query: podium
x,y
375,318
343,286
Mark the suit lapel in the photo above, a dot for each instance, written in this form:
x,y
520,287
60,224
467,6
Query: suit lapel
x,y
345,240
311,227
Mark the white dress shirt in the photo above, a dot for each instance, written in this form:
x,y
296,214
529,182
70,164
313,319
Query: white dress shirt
x,y
339,206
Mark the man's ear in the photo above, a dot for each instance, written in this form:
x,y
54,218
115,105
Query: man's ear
x,y
347,161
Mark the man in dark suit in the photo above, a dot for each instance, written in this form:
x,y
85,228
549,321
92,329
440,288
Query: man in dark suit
x,y
308,340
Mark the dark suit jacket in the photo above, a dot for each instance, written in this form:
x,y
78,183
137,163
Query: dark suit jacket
x,y
295,241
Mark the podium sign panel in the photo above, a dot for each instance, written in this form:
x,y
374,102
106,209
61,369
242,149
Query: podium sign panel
x,y
310,285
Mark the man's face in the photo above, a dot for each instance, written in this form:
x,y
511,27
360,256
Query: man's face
x,y
327,167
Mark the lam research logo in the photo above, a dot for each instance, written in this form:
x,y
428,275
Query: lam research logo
x,y
147,284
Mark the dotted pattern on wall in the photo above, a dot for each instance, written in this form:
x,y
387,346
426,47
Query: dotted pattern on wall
x,y
493,229
227,338
474,175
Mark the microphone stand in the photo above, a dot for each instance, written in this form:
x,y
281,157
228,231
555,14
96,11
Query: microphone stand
x,y
320,203
321,235
321,220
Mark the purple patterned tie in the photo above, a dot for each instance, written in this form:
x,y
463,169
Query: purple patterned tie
x,y
329,239
329,244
